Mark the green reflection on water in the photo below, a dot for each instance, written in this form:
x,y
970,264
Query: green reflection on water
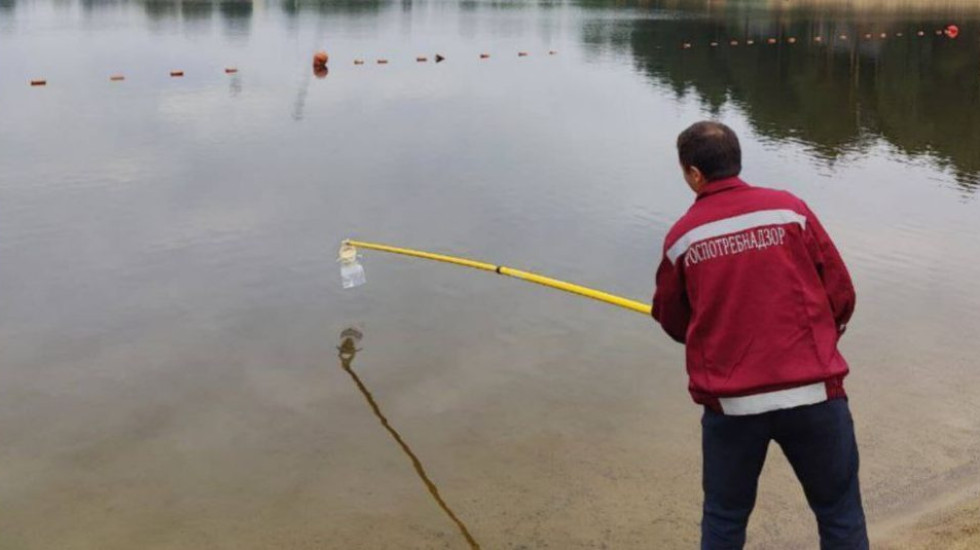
x,y
838,96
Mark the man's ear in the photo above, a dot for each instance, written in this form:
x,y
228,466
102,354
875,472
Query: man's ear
x,y
695,178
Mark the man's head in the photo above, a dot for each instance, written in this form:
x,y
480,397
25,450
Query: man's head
x,y
708,151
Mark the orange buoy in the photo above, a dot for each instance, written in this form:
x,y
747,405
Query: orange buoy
x,y
321,71
686,45
521,54
382,62
733,43
358,61
843,37
940,32
884,35
714,44
750,42
231,70
900,34
320,58
952,31
818,39
484,56
39,82
771,41
791,40
116,78
920,33
867,36
176,74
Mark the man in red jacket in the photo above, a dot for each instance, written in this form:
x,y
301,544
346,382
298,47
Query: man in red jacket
x,y
753,286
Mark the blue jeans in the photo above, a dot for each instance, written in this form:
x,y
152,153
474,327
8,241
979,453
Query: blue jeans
x,y
819,442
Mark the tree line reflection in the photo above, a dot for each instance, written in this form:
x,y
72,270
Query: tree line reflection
x,y
919,95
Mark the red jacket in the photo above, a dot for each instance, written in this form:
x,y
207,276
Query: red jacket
x,y
754,287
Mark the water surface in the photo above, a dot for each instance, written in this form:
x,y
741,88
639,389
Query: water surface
x,y
170,304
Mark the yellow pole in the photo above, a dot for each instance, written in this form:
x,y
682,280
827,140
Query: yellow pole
x,y
634,305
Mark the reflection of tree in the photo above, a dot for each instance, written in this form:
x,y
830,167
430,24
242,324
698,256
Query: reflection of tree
x,y
918,94
196,11
295,7
236,16
161,9
8,5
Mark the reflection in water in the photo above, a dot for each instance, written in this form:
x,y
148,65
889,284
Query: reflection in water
x,y
236,16
299,105
347,351
837,96
294,7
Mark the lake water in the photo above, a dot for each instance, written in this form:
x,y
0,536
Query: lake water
x,y
171,307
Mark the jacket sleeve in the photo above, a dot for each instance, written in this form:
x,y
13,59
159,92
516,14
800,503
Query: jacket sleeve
x,y
833,273
670,304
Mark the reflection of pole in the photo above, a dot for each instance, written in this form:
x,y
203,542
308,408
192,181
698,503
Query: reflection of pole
x,y
347,351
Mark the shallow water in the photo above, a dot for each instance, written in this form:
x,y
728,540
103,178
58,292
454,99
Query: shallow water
x,y
171,310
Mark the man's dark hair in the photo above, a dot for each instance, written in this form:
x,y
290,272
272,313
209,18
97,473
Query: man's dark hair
x,y
712,148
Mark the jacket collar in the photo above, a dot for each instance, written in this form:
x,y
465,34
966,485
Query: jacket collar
x,y
718,186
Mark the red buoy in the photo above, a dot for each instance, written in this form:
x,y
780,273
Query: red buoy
x,y
952,31
320,59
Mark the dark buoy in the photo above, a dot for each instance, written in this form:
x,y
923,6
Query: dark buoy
x,y
116,78
39,82
484,56
231,70
439,58
382,62
421,59
176,74
521,54
358,61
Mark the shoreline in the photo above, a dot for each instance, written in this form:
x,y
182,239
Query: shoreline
x,y
951,526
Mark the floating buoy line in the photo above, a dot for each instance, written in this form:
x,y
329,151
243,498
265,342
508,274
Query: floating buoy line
x,y
950,31
321,58
320,61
